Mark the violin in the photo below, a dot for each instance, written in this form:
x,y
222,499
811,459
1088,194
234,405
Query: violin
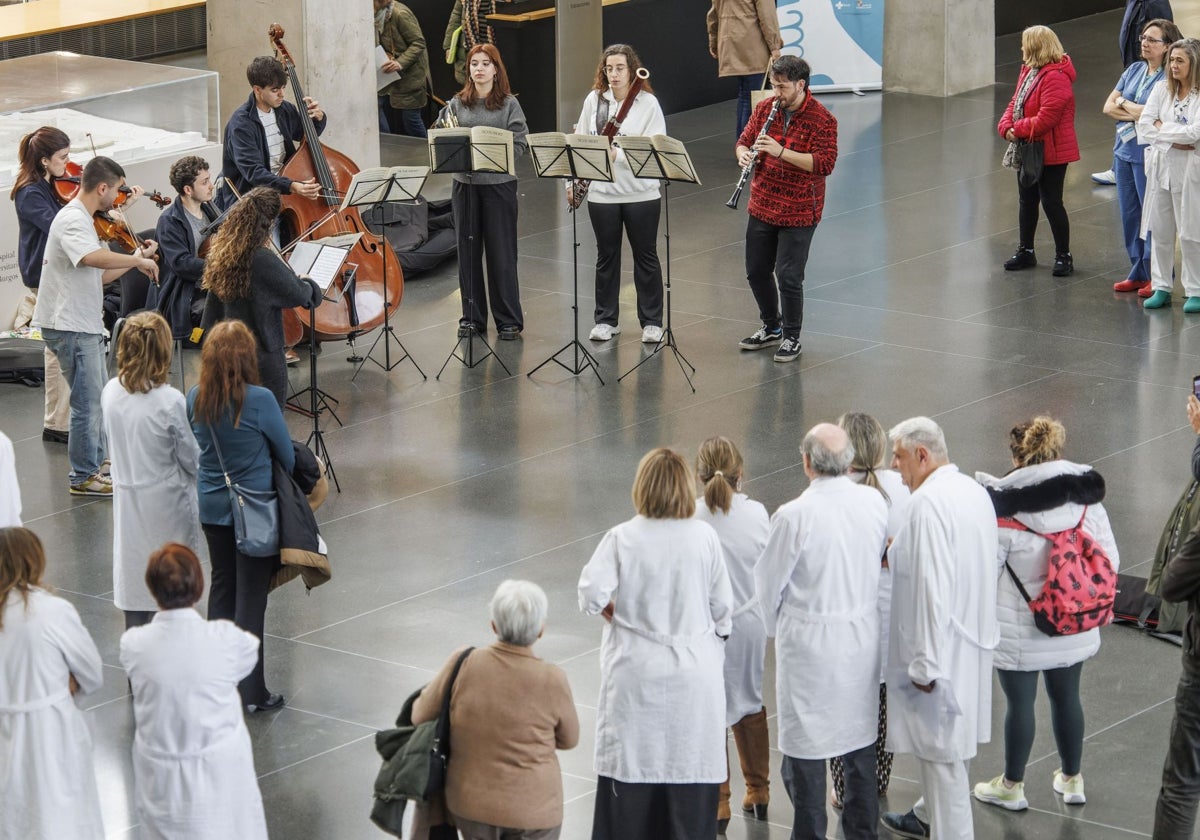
x,y
107,228
67,187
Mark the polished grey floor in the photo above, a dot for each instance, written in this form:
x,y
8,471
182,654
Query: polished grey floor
x,y
450,486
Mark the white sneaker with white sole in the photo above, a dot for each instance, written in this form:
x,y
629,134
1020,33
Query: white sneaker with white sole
x,y
1071,789
652,334
603,332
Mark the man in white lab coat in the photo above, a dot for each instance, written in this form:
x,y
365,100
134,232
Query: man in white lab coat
x,y
943,630
817,581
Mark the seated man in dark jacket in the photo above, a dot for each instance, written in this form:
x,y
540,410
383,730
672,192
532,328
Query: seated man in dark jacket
x,y
262,135
181,231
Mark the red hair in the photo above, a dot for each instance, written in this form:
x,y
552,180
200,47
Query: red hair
x,y
500,87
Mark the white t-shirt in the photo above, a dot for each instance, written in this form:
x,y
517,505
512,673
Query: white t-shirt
x,y
71,295
274,139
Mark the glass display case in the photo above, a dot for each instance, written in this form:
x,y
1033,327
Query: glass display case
x,y
127,110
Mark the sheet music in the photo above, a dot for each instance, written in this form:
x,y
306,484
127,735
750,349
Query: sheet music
x,y
384,184
320,262
659,157
383,79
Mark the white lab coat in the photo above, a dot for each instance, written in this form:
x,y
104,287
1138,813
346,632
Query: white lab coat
x,y
155,459
47,780
943,620
10,490
897,502
661,713
743,534
1172,202
193,766
818,581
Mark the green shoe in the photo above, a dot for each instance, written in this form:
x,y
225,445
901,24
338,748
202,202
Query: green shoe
x,y
996,792
1191,305
1157,300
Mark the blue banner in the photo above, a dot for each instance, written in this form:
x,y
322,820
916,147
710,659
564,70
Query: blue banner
x,y
842,40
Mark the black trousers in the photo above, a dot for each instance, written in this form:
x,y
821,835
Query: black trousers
x,y
487,228
778,254
1175,812
640,221
136,618
1049,193
238,592
272,370
804,780
628,811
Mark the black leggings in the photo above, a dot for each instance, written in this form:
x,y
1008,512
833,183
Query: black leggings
x,y
1066,718
1049,192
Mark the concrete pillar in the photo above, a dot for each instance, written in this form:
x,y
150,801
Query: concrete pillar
x,y
579,40
334,48
939,47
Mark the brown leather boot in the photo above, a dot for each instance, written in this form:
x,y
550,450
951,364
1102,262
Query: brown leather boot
x,y
754,753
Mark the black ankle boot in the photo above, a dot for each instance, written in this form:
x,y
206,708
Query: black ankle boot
x,y
1022,258
1063,265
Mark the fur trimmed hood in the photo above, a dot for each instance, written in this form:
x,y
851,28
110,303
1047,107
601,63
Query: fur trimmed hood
x,y
1043,487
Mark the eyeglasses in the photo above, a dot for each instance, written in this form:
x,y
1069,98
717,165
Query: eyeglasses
x,y
1146,39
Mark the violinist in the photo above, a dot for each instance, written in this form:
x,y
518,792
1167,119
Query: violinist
x,y
180,232
44,154
69,312
247,280
262,135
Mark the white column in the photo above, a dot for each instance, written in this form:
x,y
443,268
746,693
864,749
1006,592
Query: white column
x,y
333,45
939,47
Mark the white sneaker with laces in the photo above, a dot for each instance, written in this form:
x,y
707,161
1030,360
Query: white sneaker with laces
x,y
652,334
96,485
996,792
1108,178
603,332
1071,789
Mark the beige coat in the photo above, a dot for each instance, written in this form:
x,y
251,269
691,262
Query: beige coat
x,y
743,34
509,712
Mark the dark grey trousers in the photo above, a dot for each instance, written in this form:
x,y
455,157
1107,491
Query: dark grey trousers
x,y
775,261
1175,812
485,220
804,780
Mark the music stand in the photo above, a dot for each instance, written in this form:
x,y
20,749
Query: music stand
x,y
664,159
374,189
453,150
318,401
552,160
323,262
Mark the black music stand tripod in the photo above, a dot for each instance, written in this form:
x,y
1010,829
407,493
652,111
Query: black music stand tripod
x,y
318,401
665,167
549,162
375,193
459,160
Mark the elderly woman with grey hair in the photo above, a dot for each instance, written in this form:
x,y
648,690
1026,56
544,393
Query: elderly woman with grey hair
x,y
509,712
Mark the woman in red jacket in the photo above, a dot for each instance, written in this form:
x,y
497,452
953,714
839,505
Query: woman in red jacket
x,y
1043,109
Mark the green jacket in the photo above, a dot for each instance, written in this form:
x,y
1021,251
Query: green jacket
x,y
402,40
1184,518
474,31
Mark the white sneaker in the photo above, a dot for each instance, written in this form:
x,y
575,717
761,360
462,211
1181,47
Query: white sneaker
x,y
1071,790
652,334
603,332
996,792
1108,178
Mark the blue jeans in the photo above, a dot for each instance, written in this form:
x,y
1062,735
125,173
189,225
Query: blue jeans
x,y
1131,195
746,85
81,356
411,122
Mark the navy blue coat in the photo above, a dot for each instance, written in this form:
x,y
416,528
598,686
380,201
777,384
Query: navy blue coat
x,y
245,161
179,270
37,205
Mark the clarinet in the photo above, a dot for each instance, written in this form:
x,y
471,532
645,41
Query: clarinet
x,y
748,169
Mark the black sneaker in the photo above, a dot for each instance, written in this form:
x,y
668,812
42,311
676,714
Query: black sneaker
x,y
1022,258
905,825
1064,264
788,351
765,337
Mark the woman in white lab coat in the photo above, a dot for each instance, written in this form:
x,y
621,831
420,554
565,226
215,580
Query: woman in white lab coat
x,y
659,580
193,767
155,459
742,525
870,452
47,781
1170,125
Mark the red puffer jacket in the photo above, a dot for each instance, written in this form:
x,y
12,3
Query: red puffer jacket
x,y
1049,112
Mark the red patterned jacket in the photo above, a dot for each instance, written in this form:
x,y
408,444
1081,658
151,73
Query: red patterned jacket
x,y
781,194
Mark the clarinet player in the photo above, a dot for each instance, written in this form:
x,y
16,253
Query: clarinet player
x,y
791,158
628,202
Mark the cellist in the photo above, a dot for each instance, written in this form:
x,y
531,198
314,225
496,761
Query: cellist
x,y
262,135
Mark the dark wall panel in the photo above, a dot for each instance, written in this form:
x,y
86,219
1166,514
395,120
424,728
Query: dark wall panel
x,y
1014,15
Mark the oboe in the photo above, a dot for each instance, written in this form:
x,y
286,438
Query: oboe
x,y
748,169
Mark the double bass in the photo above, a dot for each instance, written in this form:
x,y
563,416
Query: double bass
x,y
362,310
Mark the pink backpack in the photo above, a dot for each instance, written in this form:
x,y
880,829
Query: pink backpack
x,y
1080,587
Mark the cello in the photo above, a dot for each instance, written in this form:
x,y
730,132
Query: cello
x,y
379,277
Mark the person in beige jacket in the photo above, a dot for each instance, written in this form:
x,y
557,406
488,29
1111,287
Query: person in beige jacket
x,y
509,712
743,36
